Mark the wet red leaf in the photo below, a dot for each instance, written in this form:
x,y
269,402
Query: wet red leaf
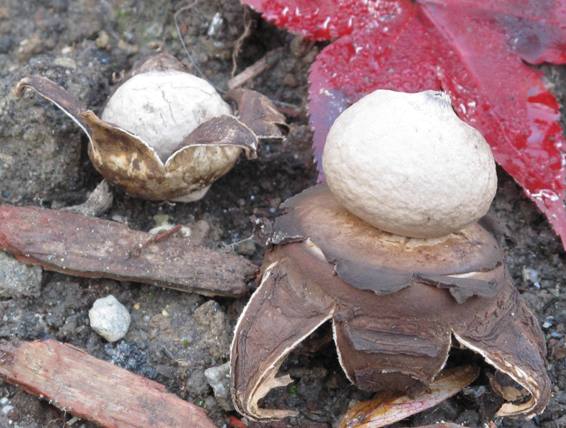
x,y
473,49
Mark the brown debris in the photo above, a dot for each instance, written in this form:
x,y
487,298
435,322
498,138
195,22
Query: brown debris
x,y
259,114
389,408
93,389
254,70
395,310
89,247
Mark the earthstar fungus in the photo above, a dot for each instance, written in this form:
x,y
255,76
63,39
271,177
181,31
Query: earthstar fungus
x,y
165,134
392,251
396,304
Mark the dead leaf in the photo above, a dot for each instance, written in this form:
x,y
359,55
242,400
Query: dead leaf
x,y
386,409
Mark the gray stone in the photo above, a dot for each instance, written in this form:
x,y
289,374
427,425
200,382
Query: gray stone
x,y
213,330
109,318
18,279
197,383
219,380
247,247
98,201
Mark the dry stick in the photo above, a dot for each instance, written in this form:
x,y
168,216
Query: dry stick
x,y
93,389
77,245
248,73
254,70
289,110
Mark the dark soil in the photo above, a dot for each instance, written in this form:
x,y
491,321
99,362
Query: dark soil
x,y
86,45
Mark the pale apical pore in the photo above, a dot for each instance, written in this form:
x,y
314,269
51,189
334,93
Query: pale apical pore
x,y
405,163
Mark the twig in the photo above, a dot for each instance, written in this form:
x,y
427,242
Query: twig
x,y
289,110
254,70
162,236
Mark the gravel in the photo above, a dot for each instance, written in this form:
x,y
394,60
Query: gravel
x,y
219,379
18,279
109,318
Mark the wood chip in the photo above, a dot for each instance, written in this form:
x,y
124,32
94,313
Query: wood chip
x,y
93,389
77,245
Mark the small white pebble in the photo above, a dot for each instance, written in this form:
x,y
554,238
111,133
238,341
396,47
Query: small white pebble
x,y
215,25
109,318
532,276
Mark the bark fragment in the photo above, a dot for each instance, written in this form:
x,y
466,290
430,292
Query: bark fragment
x,y
93,389
77,245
